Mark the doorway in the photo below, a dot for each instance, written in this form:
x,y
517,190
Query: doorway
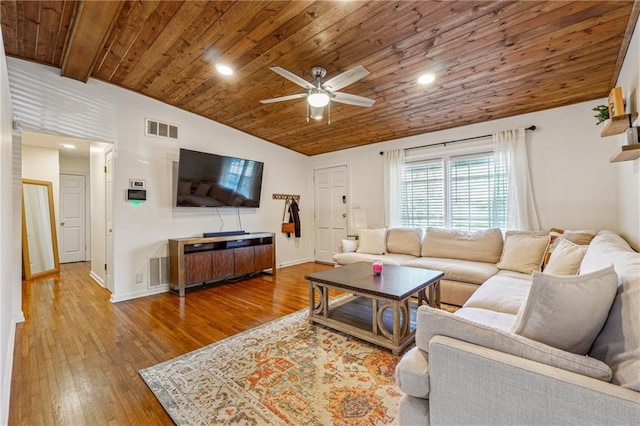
x,y
50,157
330,211
72,222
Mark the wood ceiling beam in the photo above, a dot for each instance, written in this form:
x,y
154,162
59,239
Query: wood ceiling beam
x,y
91,26
622,52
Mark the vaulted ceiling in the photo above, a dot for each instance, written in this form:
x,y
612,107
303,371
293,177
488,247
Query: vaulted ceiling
x,y
492,59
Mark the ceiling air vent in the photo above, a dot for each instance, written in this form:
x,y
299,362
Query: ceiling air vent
x,y
160,129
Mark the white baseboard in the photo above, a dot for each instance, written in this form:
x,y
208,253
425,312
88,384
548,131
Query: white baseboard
x,y
294,262
141,293
96,278
8,369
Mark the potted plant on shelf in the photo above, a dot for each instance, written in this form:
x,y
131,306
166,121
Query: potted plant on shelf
x,y
602,113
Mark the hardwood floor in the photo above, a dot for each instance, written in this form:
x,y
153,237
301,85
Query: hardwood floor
x,y
77,355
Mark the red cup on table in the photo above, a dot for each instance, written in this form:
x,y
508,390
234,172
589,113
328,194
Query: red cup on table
x,y
377,267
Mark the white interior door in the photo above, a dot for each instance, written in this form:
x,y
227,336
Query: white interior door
x,y
109,219
330,192
72,218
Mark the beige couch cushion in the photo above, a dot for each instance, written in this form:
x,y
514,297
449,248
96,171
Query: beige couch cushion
x,y
488,317
479,246
372,241
618,344
387,259
500,293
523,252
412,373
567,312
432,322
456,269
404,241
566,258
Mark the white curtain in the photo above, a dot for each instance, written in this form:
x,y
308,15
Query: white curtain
x,y
510,152
393,163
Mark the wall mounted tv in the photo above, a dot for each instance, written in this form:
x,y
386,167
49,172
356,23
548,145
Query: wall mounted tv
x,y
210,180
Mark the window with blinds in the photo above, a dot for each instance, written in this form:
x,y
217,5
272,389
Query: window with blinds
x,y
422,194
462,192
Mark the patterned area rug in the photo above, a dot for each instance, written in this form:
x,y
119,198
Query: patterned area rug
x,y
284,372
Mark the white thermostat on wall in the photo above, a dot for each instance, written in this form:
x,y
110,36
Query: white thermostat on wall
x,y
137,184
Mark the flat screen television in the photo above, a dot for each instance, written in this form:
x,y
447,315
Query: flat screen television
x,y
210,180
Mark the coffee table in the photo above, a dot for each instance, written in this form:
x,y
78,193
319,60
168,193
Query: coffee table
x,y
380,309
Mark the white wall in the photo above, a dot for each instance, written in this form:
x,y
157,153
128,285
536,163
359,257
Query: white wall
x,y
141,231
574,184
629,172
74,165
10,239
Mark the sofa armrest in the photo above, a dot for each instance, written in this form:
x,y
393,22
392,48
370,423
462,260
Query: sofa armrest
x,y
431,322
471,384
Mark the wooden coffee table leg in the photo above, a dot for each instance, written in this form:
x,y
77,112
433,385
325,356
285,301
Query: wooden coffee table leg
x,y
434,295
321,305
400,323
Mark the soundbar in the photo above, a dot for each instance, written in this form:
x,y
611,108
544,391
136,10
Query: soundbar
x,y
222,234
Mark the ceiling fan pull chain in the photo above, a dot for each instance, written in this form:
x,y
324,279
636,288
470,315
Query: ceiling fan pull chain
x,y
329,113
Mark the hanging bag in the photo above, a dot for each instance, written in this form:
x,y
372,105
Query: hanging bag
x,y
287,227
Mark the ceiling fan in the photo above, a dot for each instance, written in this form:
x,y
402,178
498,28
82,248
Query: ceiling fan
x,y
319,94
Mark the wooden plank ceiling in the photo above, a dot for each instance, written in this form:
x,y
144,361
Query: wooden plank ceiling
x,y
492,59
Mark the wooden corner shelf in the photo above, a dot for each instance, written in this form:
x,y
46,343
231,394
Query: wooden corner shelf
x,y
617,125
626,153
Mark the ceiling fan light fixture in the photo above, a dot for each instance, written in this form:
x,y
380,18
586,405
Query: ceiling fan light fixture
x,y
318,99
316,112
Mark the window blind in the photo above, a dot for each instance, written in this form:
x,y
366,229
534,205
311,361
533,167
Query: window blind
x,y
461,192
422,194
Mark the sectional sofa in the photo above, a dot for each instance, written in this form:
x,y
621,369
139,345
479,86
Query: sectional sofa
x,y
539,349
468,259
557,346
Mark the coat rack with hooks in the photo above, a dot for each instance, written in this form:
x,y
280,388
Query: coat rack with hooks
x,y
286,197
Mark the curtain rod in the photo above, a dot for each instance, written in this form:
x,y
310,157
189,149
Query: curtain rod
x,y
532,128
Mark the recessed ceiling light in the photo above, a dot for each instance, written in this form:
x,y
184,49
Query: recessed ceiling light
x,y
224,69
68,145
427,78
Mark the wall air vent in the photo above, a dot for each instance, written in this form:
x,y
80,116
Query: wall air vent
x,y
158,271
160,129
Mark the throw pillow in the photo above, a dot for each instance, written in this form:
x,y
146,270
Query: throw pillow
x,y
567,312
523,252
582,238
566,259
372,241
348,246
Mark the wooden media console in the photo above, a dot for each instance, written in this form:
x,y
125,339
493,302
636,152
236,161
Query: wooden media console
x,y
196,261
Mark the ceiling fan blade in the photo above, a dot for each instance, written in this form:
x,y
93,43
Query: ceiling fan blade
x,y
346,78
292,77
347,98
284,98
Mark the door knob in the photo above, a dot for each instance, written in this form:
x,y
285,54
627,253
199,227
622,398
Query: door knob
x,y
61,223
344,215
